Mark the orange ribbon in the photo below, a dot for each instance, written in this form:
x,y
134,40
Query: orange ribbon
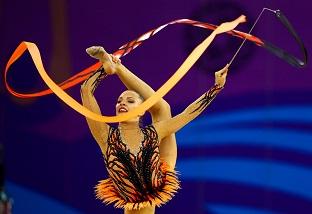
x,y
59,89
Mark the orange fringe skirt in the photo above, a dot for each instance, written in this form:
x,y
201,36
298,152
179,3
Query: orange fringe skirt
x,y
107,192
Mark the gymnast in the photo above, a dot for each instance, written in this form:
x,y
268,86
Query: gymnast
x,y
140,160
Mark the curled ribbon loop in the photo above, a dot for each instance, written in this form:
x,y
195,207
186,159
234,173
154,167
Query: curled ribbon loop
x,y
163,90
128,47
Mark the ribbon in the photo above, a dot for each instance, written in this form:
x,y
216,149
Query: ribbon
x,y
121,52
164,89
127,48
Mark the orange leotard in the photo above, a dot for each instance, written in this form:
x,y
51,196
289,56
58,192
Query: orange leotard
x,y
136,180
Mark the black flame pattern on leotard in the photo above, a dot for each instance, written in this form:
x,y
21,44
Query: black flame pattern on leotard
x,y
136,180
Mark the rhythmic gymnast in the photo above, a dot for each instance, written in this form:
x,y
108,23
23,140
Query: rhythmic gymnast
x,y
140,160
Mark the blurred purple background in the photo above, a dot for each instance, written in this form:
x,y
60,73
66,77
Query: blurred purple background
x,y
250,152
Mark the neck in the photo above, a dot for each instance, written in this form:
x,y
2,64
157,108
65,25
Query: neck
x,y
129,125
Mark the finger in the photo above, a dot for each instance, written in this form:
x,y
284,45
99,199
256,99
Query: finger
x,y
113,58
219,73
224,70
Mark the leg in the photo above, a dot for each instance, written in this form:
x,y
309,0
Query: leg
x,y
146,210
168,146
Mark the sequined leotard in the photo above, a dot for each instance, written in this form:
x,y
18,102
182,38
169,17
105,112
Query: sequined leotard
x,y
136,181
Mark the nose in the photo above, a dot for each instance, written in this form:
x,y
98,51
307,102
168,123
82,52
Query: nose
x,y
121,103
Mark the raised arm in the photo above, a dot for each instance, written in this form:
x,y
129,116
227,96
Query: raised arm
x,y
160,110
99,130
165,128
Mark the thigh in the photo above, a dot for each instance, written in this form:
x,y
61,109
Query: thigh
x,y
168,145
168,150
146,210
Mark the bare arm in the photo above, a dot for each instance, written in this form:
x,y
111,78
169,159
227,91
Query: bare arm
x,y
159,111
165,128
99,130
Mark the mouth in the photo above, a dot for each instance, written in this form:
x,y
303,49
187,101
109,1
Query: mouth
x,y
122,110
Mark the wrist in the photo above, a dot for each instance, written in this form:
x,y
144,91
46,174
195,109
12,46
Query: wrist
x,y
119,69
218,86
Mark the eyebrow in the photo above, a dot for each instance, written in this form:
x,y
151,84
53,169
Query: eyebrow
x,y
126,98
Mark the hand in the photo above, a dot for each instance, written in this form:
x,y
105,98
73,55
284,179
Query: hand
x,y
220,76
109,61
115,59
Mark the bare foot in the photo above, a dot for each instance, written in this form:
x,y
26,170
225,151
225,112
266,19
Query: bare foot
x,y
99,53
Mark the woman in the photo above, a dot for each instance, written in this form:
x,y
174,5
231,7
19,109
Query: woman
x,y
140,160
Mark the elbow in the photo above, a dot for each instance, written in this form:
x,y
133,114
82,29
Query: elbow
x,y
85,92
84,88
163,107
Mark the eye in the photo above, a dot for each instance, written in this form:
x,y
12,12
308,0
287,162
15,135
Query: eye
x,y
131,101
118,101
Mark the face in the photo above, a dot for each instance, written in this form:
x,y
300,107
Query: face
x,y
127,101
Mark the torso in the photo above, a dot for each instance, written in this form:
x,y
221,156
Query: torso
x,y
135,174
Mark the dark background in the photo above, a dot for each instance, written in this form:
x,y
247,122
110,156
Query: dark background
x,y
250,151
